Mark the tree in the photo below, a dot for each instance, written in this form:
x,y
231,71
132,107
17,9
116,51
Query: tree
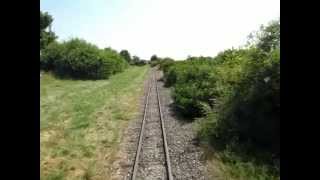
x,y
126,55
46,36
142,62
269,38
111,50
135,60
154,58
45,20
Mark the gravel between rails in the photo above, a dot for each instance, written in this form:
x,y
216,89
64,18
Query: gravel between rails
x,y
185,154
152,158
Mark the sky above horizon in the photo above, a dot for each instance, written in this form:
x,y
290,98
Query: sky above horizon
x,y
167,28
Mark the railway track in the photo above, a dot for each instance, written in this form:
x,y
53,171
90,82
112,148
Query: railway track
x,y
152,159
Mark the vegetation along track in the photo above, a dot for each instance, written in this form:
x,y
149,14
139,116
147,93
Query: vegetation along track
x,y
152,157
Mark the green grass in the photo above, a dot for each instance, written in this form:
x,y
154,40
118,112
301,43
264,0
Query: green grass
x,y
231,165
81,123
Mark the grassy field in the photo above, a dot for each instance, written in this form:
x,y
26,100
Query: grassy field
x,y
81,123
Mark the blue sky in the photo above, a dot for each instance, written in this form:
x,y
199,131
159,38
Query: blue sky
x,y
174,28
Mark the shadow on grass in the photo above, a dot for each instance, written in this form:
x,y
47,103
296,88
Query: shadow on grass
x,y
63,76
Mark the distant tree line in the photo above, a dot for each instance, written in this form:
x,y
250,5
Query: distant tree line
x,y
77,58
134,60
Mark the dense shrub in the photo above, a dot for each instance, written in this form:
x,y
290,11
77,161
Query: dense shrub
x,y
189,93
113,62
194,84
141,63
249,109
54,51
254,108
241,85
154,63
154,58
236,95
137,61
78,59
165,64
126,55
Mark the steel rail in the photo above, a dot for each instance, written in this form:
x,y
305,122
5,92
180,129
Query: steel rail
x,y
135,167
170,177
166,150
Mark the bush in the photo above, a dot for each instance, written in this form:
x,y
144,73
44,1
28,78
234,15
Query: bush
x,y
252,111
52,52
236,98
193,84
113,62
166,63
141,63
154,63
242,86
81,60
